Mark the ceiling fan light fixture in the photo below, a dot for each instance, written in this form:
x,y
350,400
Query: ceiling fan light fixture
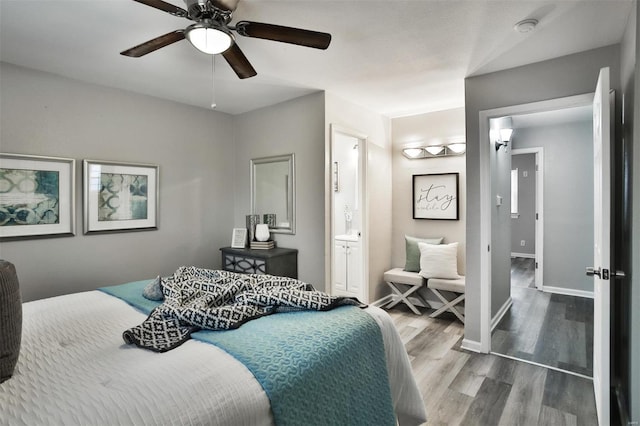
x,y
208,39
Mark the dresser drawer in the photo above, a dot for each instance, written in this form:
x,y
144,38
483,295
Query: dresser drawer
x,y
242,264
277,261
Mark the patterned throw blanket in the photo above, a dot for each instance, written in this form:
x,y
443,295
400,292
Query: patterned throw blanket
x,y
317,368
196,298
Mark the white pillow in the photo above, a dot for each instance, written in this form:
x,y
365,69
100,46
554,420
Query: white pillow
x,y
439,261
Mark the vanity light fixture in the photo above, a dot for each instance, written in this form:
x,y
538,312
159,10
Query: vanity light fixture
x,y
434,149
414,152
458,148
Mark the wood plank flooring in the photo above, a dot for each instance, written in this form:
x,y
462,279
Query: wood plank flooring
x,y
523,272
550,329
466,388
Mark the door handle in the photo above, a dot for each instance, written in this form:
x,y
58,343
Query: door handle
x,y
618,274
605,273
591,271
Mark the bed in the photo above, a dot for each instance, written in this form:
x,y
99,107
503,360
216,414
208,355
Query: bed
x,y
74,368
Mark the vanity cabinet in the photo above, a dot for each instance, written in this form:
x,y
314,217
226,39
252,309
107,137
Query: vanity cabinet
x,y
347,268
277,261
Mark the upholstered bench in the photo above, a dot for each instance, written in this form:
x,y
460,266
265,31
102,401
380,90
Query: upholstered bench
x,y
454,286
398,280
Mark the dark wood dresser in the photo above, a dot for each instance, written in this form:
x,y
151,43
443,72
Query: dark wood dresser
x,y
276,261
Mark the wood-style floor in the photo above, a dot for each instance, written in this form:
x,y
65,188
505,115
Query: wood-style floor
x,y
550,329
466,388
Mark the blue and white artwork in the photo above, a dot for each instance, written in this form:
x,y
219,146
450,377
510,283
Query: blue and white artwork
x,y
29,197
122,197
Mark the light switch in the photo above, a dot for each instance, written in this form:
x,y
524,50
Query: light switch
x,y
498,200
525,173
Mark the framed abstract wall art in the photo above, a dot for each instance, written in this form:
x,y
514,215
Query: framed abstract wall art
x,y
36,196
120,196
435,196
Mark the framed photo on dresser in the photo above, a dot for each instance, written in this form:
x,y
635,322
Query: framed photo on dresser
x,y
239,238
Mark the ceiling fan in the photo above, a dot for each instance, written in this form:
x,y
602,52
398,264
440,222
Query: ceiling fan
x,y
211,32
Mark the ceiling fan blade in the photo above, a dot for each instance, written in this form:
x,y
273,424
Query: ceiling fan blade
x,y
239,62
297,36
155,44
228,5
165,7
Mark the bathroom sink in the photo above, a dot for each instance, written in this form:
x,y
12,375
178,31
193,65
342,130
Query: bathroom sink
x,y
348,237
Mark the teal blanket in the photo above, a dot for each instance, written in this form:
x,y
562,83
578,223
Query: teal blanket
x,y
317,368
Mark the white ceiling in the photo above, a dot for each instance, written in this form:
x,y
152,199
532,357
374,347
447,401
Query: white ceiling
x,y
394,57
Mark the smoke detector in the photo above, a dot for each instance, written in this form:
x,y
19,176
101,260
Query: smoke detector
x,y
526,26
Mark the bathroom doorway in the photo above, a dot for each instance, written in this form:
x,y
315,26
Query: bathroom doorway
x,y
348,154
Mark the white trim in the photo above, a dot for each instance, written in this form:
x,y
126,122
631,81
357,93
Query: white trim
x,y
382,301
485,197
567,291
542,365
539,222
471,345
501,313
525,255
363,155
485,235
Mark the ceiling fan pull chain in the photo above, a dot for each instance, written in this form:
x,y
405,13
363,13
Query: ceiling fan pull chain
x,y
213,81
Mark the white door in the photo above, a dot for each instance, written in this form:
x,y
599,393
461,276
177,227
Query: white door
x,y
601,255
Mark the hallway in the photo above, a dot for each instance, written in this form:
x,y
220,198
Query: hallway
x,y
550,329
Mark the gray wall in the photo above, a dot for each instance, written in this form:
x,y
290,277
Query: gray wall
x,y
523,228
296,126
560,77
630,231
44,114
568,200
435,127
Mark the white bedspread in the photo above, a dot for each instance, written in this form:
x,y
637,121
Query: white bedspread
x,y
77,371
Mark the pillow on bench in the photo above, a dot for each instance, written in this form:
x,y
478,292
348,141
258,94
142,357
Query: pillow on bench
x,y
439,261
412,262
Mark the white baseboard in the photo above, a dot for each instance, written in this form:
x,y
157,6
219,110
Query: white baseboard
x,y
471,345
383,301
501,312
525,255
567,291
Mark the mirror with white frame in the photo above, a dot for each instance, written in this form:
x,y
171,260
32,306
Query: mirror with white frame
x,y
273,192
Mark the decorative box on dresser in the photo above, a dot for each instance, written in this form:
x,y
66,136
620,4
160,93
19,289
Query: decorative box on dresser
x,y
276,261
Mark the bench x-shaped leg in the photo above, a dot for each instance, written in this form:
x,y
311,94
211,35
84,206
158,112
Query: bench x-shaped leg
x,y
399,296
449,305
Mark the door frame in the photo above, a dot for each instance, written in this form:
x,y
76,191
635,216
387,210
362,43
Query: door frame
x,y
363,148
539,206
486,198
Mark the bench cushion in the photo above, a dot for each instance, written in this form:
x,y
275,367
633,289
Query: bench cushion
x,y
398,275
456,285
